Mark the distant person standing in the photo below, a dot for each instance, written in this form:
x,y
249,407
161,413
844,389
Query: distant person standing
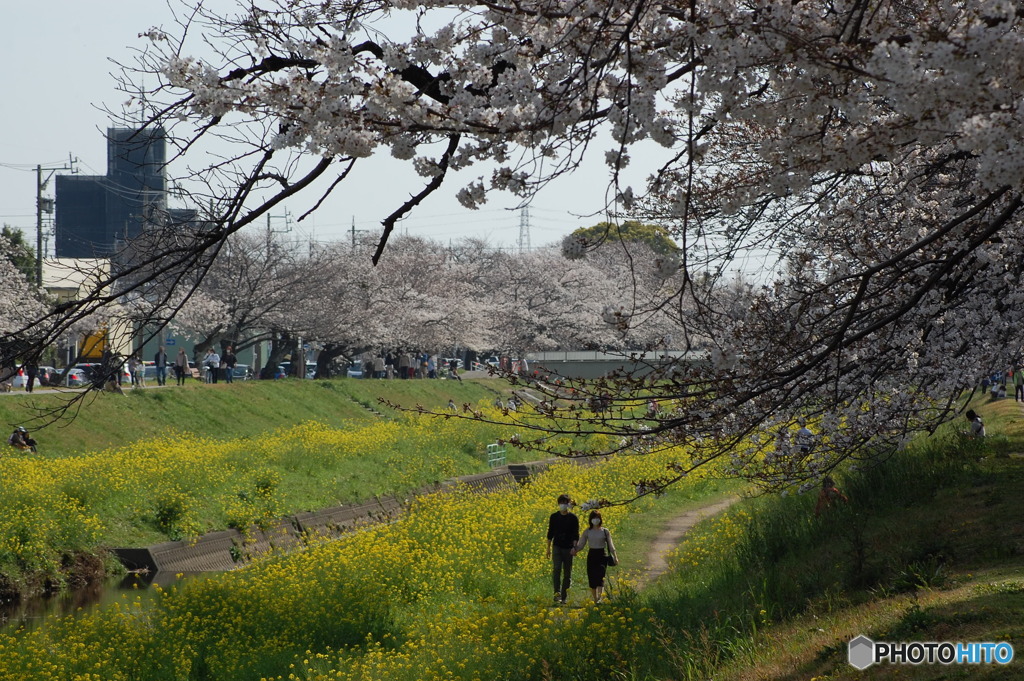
x,y
139,372
160,360
133,367
181,367
453,369
1018,384
828,496
31,371
228,361
212,364
804,438
563,533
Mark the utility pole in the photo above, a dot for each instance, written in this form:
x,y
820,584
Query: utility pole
x,y
271,231
44,206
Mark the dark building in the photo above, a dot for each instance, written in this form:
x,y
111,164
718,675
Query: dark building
x,y
96,215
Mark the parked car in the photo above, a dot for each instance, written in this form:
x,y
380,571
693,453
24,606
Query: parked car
x,y
355,370
310,369
241,372
90,369
76,378
20,380
48,375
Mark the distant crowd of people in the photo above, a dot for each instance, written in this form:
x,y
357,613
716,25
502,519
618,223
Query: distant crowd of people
x,y
212,366
409,365
997,383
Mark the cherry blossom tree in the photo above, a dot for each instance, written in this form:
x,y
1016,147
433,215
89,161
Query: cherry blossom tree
x,y
20,304
868,151
542,302
343,313
250,291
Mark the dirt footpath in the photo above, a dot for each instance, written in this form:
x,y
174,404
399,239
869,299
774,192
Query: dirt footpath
x,y
673,533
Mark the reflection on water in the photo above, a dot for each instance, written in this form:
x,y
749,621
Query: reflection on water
x,y
30,613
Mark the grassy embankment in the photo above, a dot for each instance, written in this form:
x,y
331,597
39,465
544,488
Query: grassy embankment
x,y
172,463
458,587
930,547
242,409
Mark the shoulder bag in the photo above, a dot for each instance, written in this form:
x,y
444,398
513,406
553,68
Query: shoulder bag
x,y
610,560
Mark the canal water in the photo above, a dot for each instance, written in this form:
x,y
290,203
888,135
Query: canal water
x,y
30,613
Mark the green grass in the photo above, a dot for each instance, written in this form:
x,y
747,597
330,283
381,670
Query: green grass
x,y
241,409
925,549
639,536
929,547
160,464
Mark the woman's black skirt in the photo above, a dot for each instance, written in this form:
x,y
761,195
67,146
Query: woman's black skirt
x,y
596,567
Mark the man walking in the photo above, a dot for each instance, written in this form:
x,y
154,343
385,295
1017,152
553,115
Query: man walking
x,y
31,371
563,533
229,360
160,360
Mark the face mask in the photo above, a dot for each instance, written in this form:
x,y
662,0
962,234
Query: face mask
x,y
563,507
595,521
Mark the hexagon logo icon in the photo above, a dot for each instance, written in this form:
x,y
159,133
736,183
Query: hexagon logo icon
x,y
862,652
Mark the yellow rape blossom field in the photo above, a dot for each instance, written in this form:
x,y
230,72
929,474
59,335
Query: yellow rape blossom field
x,y
180,486
456,588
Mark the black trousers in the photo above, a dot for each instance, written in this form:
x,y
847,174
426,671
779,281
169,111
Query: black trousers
x,y
561,570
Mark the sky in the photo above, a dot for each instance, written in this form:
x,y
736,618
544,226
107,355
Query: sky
x,y
58,79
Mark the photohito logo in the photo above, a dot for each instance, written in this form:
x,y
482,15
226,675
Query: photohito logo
x,y
863,652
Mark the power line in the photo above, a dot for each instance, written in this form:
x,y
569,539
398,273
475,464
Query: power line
x,y
27,167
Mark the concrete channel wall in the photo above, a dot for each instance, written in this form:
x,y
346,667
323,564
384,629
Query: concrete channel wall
x,y
229,549
588,364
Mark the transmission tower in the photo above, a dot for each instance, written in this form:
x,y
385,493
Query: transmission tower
x,y
524,229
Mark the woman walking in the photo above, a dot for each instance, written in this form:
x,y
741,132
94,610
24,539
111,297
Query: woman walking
x,y
599,540
181,366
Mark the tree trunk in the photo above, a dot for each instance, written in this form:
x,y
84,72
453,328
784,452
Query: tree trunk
x,y
331,352
279,346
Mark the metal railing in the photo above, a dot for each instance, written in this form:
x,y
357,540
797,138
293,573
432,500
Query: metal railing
x,y
495,455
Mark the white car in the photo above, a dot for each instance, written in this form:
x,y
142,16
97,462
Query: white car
x,y
20,380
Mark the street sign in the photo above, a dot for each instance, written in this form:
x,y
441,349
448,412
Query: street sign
x,y
170,341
